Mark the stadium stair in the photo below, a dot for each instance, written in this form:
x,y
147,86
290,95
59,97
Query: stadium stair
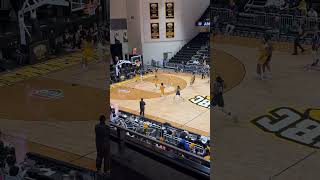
x,y
199,42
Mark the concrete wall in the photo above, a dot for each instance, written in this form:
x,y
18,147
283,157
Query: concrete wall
x,y
187,12
137,13
118,9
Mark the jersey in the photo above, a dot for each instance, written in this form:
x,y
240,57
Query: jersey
x,y
162,88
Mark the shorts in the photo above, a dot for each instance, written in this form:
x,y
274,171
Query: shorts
x,y
178,93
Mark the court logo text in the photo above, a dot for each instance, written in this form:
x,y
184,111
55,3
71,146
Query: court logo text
x,y
289,124
48,93
203,101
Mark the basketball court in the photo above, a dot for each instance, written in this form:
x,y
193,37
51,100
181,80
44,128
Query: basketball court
x,y
51,108
191,113
276,136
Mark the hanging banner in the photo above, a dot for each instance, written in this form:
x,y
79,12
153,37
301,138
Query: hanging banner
x,y
169,10
170,30
154,11
155,31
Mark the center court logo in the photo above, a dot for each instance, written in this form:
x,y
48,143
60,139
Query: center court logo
x,y
289,124
48,93
203,101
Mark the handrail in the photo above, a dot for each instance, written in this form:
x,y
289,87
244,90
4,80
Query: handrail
x,y
172,156
269,20
159,142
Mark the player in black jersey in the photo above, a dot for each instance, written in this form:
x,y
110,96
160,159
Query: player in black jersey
x,y
315,47
299,35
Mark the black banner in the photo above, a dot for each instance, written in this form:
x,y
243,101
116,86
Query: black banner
x,y
170,30
169,10
154,11
155,31
38,52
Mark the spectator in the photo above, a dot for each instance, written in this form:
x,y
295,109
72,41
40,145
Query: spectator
x,y
102,145
207,155
302,7
312,13
52,42
183,144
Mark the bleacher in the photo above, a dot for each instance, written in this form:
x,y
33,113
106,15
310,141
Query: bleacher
x,y
280,26
255,5
196,49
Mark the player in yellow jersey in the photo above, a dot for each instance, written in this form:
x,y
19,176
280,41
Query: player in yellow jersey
x,y
156,78
87,51
262,59
162,89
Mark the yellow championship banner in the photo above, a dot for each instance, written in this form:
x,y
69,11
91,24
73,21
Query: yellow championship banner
x,y
170,30
169,10
155,31
154,11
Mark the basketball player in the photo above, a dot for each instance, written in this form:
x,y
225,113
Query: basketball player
x,y
269,50
218,88
193,78
156,80
87,51
162,90
263,57
178,93
297,40
315,48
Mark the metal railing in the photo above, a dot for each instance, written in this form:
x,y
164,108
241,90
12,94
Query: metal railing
x,y
189,68
282,22
132,122
177,156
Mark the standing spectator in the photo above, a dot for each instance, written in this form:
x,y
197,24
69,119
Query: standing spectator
x,y
142,107
102,145
52,42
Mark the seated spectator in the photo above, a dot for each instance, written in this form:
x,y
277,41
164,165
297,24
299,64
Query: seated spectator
x,y
207,155
183,144
312,13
